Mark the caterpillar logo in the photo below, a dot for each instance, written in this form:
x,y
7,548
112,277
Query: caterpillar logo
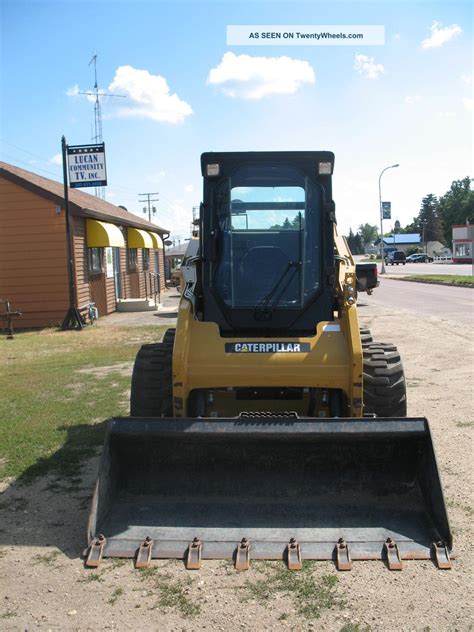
x,y
267,347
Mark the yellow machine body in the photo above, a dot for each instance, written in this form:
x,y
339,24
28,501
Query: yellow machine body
x,y
288,447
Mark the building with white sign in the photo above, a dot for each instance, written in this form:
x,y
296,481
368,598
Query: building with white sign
x,y
117,256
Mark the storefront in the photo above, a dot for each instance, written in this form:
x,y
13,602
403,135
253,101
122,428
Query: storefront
x,y
116,255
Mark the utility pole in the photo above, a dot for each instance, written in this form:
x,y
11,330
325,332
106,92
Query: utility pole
x,y
149,199
382,267
424,222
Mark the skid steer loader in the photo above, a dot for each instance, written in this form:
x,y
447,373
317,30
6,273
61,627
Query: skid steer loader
x,y
268,425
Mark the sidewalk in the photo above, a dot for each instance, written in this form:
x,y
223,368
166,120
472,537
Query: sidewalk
x,y
165,315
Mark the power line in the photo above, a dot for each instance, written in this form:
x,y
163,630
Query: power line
x,y
148,201
42,158
22,162
30,164
168,204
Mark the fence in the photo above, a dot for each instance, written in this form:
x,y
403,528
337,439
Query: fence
x,y
146,279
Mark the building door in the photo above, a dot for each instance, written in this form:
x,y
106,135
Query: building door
x,y
98,293
117,277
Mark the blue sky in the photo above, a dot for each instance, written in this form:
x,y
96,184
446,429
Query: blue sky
x,y
404,101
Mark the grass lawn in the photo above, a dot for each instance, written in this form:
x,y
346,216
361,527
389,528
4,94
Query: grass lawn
x,y
442,279
58,388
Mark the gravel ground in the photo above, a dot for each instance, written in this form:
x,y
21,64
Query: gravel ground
x,y
42,534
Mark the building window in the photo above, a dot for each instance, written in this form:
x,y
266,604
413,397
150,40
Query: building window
x,y
132,259
94,258
146,258
461,250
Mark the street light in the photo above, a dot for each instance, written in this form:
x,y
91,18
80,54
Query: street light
x,y
424,222
382,269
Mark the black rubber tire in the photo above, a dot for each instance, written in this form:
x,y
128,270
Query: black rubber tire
x,y
152,388
365,336
169,335
384,381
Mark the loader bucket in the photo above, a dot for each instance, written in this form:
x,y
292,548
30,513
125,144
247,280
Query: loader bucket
x,y
278,488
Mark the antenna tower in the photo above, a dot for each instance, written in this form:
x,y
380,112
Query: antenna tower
x,y
97,136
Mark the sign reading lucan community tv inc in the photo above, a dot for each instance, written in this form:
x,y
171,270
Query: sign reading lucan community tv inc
x,y
86,165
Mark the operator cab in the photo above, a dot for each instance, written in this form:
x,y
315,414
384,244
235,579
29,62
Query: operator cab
x,y
267,241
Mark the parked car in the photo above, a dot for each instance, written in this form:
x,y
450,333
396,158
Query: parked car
x,y
422,258
395,257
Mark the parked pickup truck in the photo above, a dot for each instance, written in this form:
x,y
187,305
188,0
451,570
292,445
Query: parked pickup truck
x,y
367,279
395,257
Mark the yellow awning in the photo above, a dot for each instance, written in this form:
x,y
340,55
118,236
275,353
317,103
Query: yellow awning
x,y
157,242
137,238
103,234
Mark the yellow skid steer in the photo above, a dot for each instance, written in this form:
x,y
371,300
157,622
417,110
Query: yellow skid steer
x,y
268,425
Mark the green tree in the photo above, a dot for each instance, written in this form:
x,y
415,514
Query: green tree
x,y
298,221
456,206
355,243
414,227
368,234
430,219
350,240
359,248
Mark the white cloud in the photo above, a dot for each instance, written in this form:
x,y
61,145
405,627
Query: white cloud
x,y
73,91
189,188
467,79
415,99
149,96
178,217
448,114
440,36
57,159
156,177
250,77
366,66
468,103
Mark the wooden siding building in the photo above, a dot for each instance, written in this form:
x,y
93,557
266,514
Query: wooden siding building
x,y
116,255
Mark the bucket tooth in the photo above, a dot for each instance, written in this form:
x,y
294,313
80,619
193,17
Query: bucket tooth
x,y
441,555
293,551
343,556
392,555
242,556
193,560
143,557
96,551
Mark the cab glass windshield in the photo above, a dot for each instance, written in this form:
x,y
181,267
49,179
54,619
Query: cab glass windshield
x,y
268,231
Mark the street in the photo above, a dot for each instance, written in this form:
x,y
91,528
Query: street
x,y
429,268
454,304
423,268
